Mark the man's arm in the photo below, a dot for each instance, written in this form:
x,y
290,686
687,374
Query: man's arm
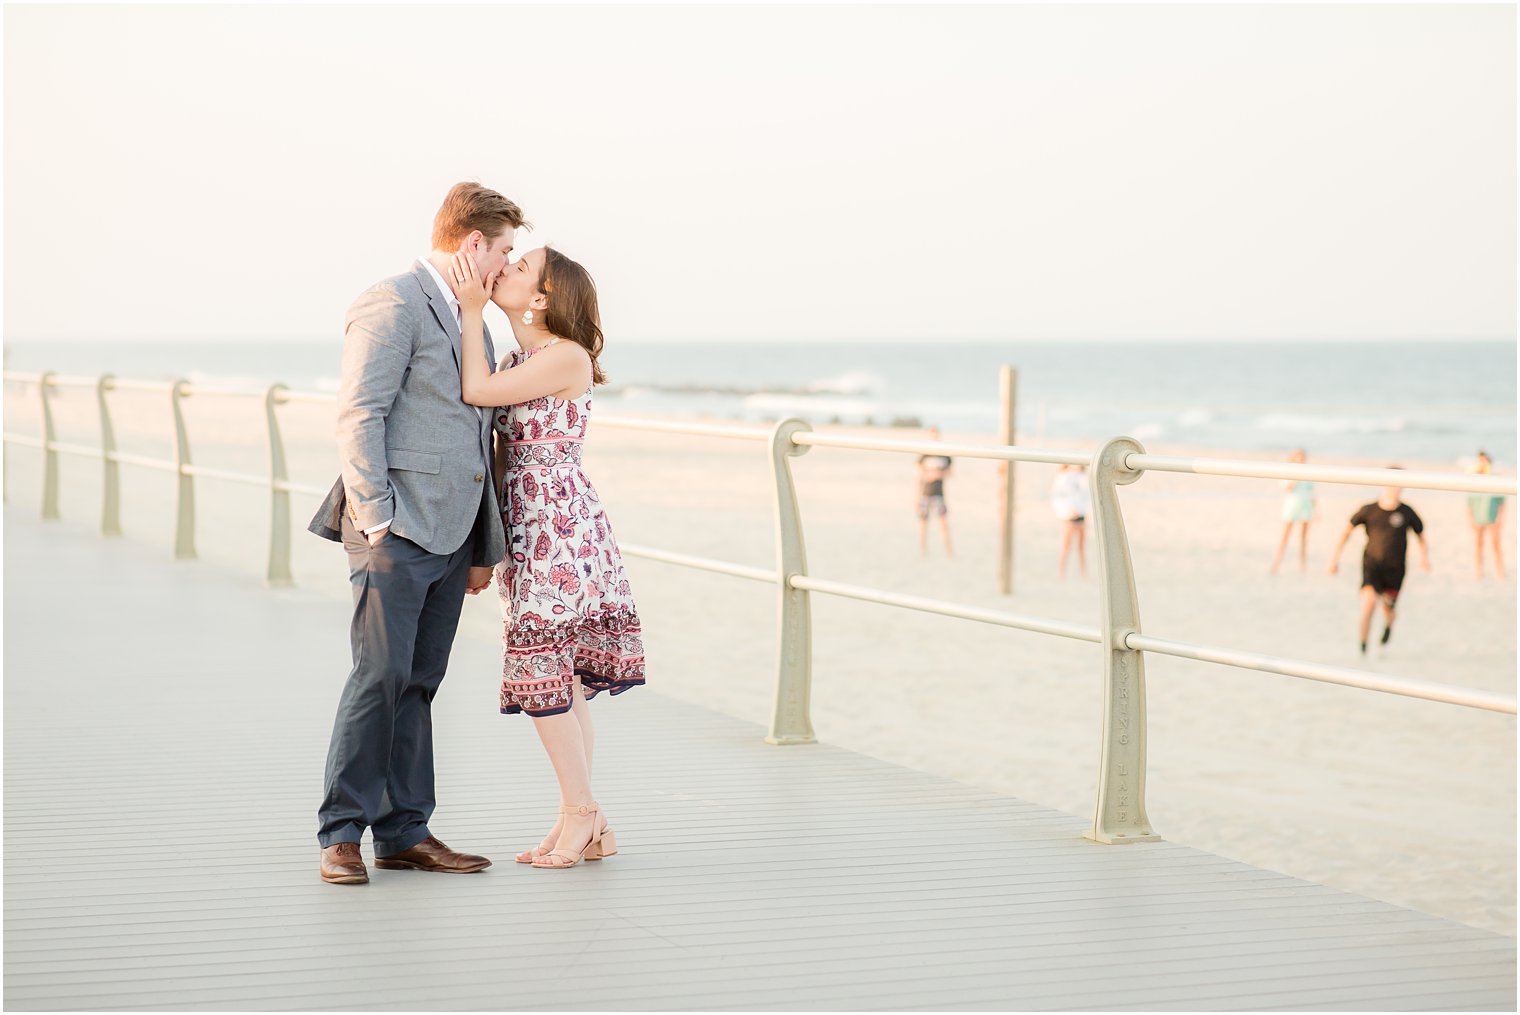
x,y
1418,525
480,577
499,463
1340,544
377,346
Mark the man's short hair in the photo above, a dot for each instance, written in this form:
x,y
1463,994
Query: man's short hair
x,y
469,207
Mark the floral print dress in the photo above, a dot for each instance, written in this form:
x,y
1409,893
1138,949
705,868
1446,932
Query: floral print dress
x,y
566,606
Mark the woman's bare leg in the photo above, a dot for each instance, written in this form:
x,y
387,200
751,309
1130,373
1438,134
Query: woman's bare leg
x,y
1498,556
1477,549
1303,547
561,737
1282,546
1067,528
581,709
1081,528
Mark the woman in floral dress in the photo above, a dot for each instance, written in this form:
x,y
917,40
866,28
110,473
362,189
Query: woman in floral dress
x,y
571,629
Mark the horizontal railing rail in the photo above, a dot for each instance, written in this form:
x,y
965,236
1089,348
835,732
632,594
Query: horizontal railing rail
x,y
1001,453
1120,808
1453,482
1039,625
759,574
1409,687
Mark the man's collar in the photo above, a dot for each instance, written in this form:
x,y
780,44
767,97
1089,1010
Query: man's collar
x,y
443,286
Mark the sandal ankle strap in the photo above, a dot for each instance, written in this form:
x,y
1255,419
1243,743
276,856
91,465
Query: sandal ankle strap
x,y
582,809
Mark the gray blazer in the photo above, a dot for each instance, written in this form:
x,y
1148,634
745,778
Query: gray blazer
x,y
412,450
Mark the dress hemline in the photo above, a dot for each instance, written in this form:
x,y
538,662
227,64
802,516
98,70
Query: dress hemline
x,y
612,687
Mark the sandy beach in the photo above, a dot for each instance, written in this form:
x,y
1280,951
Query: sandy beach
x,y
1407,801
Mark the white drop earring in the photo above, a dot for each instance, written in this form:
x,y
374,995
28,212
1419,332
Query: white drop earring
x,y
527,317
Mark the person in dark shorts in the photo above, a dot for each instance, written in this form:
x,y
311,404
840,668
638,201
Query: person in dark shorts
x,y
933,470
1388,522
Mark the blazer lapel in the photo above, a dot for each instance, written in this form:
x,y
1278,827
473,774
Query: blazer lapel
x,y
490,349
488,416
441,309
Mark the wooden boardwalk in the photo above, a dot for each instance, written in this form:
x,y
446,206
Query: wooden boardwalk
x,y
165,728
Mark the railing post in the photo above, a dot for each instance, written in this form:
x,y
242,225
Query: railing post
x,y
1008,390
110,503
184,515
49,455
279,498
1120,815
792,721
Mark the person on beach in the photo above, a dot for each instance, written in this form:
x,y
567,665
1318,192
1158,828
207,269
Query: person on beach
x,y
1071,501
1297,509
421,527
1487,510
933,470
1388,522
570,626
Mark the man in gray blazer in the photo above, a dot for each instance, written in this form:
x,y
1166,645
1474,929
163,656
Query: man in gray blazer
x,y
416,510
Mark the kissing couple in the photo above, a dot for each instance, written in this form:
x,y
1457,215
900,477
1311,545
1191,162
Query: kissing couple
x,y
460,474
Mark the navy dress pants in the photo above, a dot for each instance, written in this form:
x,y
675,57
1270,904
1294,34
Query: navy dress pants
x,y
380,762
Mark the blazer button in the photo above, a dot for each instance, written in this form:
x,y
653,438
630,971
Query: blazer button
x,y
479,478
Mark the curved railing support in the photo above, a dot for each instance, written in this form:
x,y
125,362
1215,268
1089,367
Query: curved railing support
x,y
279,494
110,496
791,722
184,513
49,453
1120,815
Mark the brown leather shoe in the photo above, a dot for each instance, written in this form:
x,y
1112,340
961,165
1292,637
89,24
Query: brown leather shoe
x,y
342,864
432,855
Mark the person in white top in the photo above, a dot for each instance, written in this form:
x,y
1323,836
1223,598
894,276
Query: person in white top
x,y
1071,501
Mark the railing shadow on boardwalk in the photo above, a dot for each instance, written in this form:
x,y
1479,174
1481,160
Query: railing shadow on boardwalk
x,y
763,878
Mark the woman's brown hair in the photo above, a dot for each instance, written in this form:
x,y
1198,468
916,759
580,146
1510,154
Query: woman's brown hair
x,y
572,313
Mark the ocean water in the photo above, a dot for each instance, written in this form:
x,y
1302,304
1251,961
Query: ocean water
x,y
1359,400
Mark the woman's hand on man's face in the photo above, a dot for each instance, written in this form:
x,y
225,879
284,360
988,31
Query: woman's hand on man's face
x,y
473,291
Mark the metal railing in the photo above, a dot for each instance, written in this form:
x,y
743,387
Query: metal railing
x,y
1120,814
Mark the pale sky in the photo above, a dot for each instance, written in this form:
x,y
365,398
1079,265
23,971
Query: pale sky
x,y
730,172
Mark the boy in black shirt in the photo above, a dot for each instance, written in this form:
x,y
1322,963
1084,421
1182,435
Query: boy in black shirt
x,y
1388,523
